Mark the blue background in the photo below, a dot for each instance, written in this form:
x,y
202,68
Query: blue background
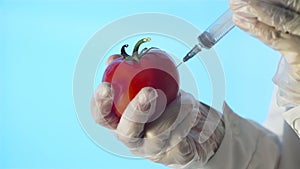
x,y
40,42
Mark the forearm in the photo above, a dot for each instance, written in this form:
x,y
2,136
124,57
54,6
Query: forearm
x,y
200,144
245,145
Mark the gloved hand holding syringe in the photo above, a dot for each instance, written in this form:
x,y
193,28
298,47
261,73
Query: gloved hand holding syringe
x,y
211,35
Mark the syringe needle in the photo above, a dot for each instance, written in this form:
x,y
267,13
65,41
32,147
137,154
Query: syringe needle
x,y
179,64
196,49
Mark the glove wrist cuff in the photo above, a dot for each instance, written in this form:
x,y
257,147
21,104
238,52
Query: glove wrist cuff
x,y
287,78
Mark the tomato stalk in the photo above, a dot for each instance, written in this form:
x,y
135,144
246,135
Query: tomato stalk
x,y
123,52
136,56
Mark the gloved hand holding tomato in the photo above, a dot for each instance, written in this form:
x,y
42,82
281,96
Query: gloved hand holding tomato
x,y
130,100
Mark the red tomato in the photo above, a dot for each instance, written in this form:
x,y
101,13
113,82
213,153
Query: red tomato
x,y
129,74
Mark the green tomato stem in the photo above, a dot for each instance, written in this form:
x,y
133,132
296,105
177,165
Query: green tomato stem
x,y
138,44
123,52
135,54
145,51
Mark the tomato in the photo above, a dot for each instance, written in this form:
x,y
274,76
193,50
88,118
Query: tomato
x,y
129,74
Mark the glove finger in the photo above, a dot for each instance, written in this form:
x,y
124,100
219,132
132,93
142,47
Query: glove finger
x,y
241,8
130,129
101,104
293,5
276,16
243,16
286,43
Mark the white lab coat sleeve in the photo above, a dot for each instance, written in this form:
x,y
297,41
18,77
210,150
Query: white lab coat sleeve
x,y
246,145
286,130
277,115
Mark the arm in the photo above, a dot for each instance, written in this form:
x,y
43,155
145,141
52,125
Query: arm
x,y
277,24
188,134
246,145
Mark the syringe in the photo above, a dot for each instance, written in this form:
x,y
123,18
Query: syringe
x,y
211,35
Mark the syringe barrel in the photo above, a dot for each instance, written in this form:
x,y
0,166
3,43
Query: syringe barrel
x,y
217,30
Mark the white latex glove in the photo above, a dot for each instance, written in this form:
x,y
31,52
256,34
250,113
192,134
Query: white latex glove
x,y
277,24
176,138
